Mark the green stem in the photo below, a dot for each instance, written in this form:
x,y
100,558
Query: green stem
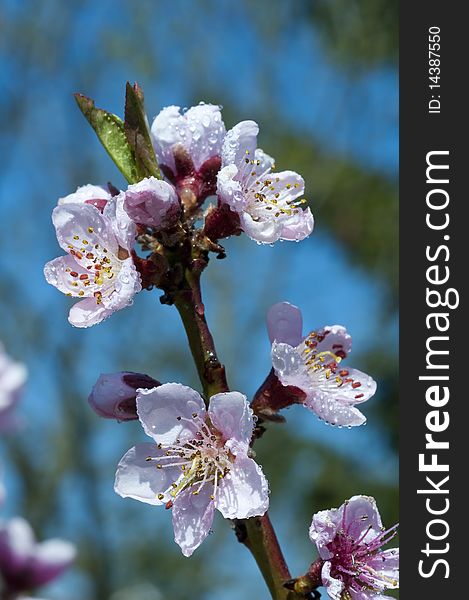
x,y
257,533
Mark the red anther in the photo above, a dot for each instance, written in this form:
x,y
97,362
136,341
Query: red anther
x,y
343,373
84,276
356,384
358,396
73,274
169,504
341,354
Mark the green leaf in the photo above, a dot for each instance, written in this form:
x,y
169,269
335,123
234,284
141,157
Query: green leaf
x,y
111,133
137,132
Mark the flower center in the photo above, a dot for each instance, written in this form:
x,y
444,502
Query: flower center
x,y
266,196
353,558
101,264
203,459
323,366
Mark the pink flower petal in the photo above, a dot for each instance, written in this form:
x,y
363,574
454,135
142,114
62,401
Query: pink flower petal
x,y
112,397
17,544
361,514
192,518
138,478
231,415
152,202
323,529
51,558
386,563
166,412
207,132
285,323
244,491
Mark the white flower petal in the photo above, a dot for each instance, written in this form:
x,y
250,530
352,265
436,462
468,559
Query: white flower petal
x,y
127,283
192,519
88,312
231,414
244,491
229,189
139,478
207,132
168,128
77,222
57,273
166,412
332,411
240,143
264,231
333,586
120,223
289,366
84,193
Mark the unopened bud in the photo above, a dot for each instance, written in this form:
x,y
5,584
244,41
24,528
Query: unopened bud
x,y
114,394
152,202
221,222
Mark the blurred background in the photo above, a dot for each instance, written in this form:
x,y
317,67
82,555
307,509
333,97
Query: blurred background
x,y
320,77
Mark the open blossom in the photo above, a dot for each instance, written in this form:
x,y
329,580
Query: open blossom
x,y
26,564
199,131
98,267
313,364
12,378
152,202
268,203
349,540
198,460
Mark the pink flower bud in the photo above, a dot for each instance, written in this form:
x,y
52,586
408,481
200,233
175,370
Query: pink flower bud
x,y
114,394
152,202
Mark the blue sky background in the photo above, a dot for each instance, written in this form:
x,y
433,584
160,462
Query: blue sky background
x,y
353,115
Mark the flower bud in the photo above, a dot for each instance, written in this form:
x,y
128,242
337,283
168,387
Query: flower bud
x,y
221,222
114,394
152,202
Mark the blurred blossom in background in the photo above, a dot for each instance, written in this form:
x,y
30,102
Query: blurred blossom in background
x,y
320,78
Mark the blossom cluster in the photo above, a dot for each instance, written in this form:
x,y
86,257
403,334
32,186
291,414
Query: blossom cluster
x,y
98,227
199,458
24,563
